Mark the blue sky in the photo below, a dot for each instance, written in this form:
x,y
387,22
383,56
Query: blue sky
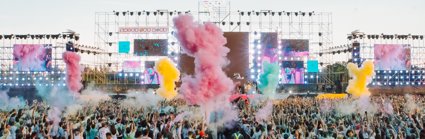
x,y
54,16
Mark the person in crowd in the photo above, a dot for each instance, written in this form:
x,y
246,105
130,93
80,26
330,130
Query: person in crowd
x,y
292,118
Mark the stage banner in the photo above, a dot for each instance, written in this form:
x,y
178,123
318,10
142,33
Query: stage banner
x,y
124,47
143,30
312,66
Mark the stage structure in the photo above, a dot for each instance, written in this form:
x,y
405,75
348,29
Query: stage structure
x,y
17,72
141,37
398,58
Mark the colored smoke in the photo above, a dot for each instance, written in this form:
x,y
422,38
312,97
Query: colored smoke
x,y
264,113
141,99
58,99
30,57
9,103
204,42
410,104
361,77
73,71
269,79
169,75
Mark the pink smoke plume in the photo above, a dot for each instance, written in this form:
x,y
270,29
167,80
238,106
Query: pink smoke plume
x,y
29,56
73,71
204,42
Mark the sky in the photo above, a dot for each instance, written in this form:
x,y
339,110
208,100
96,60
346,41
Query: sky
x,y
55,16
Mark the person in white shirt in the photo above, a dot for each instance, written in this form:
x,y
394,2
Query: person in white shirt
x,y
103,131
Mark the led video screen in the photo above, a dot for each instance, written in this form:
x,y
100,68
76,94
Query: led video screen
x,y
294,47
32,57
312,66
123,47
269,46
132,66
150,47
151,76
292,72
392,56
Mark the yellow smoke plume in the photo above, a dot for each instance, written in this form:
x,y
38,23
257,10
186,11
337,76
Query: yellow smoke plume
x,y
331,96
169,74
357,86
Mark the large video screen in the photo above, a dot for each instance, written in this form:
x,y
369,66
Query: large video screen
x,y
392,56
269,46
32,57
132,66
312,66
151,47
292,72
294,47
151,76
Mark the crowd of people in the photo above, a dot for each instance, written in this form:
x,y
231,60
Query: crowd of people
x,y
292,118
